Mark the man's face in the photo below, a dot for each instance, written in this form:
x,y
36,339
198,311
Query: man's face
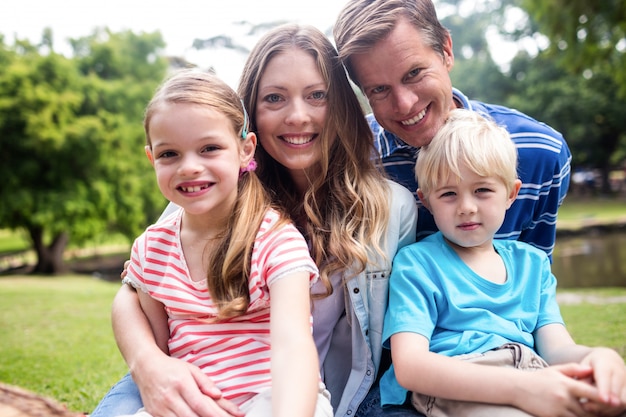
x,y
407,84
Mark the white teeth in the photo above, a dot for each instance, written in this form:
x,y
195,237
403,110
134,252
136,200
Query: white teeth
x,y
415,119
194,189
301,140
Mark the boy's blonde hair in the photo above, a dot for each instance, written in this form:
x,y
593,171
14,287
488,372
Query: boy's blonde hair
x,y
467,139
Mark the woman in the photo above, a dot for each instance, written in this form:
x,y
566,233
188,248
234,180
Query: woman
x,y
315,156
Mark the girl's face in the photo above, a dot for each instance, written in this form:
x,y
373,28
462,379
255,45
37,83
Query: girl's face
x,y
197,154
291,111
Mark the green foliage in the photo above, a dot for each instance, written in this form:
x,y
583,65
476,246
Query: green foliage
x,y
587,111
585,34
72,137
574,87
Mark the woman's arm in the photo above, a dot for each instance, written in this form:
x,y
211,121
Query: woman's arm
x,y
169,387
157,318
295,369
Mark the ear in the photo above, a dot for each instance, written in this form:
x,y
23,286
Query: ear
x,y
514,192
448,54
423,199
247,149
148,150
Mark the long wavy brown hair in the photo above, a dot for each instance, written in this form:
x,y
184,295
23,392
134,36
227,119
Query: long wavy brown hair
x,y
345,211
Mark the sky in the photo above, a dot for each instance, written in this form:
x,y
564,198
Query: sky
x,y
179,21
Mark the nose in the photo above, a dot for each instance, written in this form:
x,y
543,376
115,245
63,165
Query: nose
x,y
404,99
466,205
297,113
189,166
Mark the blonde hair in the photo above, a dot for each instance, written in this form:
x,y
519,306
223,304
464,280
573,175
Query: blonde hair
x,y
467,139
363,23
345,210
229,260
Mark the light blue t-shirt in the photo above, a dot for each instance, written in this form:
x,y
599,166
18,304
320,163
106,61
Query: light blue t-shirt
x,y
434,293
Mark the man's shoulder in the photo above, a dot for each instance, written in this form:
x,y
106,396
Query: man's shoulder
x,y
516,122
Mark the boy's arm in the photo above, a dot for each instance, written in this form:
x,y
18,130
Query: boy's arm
x,y
547,392
295,367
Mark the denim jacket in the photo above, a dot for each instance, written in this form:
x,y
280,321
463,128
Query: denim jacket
x,y
368,293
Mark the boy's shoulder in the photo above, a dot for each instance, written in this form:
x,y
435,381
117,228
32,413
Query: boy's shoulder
x,y
431,245
517,248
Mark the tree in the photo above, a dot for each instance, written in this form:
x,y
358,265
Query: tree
x,y
581,101
587,111
72,163
585,35
475,71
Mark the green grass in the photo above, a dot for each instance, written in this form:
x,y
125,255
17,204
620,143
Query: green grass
x,y
13,241
57,339
576,213
598,324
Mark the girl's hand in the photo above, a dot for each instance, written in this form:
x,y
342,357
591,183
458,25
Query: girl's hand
x,y
125,270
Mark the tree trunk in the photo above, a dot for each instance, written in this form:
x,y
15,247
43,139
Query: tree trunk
x,y
50,257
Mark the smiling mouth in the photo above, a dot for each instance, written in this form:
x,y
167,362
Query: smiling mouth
x,y
298,140
415,119
193,189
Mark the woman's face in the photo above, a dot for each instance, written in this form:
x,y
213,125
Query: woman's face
x,y
291,111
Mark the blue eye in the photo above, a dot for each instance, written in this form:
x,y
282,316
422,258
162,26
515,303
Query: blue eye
x,y
414,73
319,95
272,98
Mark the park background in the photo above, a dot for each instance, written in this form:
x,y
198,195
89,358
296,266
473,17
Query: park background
x,y
76,187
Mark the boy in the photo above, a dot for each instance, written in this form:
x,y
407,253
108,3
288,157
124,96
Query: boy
x,y
470,316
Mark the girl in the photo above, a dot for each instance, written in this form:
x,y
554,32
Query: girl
x,y
232,273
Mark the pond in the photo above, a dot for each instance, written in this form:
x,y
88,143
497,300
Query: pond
x,y
591,260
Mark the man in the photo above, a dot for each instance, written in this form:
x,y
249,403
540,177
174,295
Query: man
x,y
400,56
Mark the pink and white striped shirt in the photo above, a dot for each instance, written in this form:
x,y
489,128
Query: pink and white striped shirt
x,y
234,353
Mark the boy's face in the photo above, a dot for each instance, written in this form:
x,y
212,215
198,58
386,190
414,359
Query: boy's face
x,y
470,210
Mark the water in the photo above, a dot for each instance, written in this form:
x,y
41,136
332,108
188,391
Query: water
x,y
596,260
